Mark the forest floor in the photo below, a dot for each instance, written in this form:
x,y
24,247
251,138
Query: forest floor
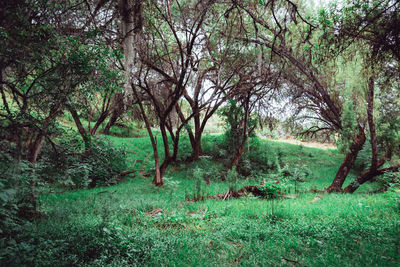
x,y
136,223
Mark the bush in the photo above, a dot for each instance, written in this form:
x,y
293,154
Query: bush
x,y
296,173
272,190
73,167
15,201
363,160
389,179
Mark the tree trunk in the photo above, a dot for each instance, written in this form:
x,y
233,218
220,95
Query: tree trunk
x,y
236,157
371,124
158,176
81,129
348,162
34,150
367,176
197,150
118,104
195,139
100,120
372,171
131,23
197,136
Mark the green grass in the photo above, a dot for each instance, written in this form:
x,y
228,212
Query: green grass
x,y
90,228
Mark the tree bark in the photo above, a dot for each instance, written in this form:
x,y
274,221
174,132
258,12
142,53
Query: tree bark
x,y
347,164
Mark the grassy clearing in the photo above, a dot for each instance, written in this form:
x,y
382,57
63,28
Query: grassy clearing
x,y
138,224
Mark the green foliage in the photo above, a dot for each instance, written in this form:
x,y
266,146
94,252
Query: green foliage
x,y
393,197
389,179
72,166
272,190
233,116
198,192
363,160
349,126
232,177
139,224
298,173
15,201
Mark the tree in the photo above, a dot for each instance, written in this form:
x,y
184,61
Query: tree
x,y
374,26
44,65
167,47
304,49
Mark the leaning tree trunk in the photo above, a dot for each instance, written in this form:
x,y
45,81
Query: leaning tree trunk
x,y
81,129
158,176
367,176
100,120
347,164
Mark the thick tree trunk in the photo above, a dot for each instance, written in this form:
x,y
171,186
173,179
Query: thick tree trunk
x,y
131,24
373,170
34,150
348,162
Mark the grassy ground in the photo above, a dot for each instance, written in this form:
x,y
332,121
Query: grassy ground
x,y
136,223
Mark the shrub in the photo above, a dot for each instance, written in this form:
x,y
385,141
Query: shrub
x,y
272,190
73,167
389,179
296,173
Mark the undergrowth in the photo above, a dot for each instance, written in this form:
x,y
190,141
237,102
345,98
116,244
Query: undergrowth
x,y
135,223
